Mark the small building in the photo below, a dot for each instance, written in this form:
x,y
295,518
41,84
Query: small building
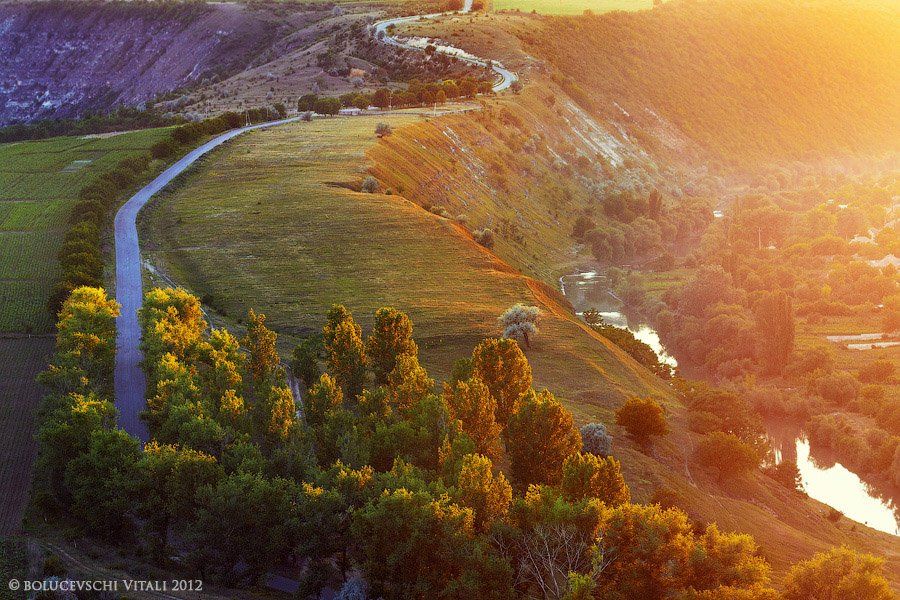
x,y
350,112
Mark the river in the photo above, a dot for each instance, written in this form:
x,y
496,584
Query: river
x,y
830,482
592,290
823,479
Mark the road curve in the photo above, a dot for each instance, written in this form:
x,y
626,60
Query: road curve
x,y
505,77
130,384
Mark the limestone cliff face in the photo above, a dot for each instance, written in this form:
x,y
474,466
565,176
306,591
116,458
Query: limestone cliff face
x,y
62,59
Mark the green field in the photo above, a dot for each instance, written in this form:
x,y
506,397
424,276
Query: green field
x,y
41,181
570,7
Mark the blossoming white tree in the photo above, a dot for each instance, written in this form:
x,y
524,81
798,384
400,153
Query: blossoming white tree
x,y
519,322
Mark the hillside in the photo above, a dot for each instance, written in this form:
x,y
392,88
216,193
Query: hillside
x,y
746,82
70,58
308,239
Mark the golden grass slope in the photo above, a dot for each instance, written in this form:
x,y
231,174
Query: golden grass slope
x,y
292,239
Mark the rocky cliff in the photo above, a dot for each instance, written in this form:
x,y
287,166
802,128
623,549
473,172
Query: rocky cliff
x,y
65,58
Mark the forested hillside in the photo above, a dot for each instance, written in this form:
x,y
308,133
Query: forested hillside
x,y
748,81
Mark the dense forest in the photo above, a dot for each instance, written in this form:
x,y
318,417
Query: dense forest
x,y
379,481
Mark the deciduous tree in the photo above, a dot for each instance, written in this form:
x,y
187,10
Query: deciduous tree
x,y
391,337
540,436
503,368
590,476
838,574
488,495
642,418
471,402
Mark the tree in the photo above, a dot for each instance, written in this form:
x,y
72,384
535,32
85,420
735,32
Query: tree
x,y
323,398
787,474
642,418
726,454
391,336
595,439
383,130
488,495
552,539
502,367
382,98
66,434
519,322
281,414
471,402
540,436
260,343
656,555
590,476
837,574
408,384
592,317
878,371
85,343
485,237
327,106
410,545
307,103
167,486
369,185
103,481
345,353
775,322
247,518
305,360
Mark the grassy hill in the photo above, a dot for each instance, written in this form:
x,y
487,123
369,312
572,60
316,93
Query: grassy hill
x,y
749,81
294,236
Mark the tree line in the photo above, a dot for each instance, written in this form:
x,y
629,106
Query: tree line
x,y
416,94
80,256
380,482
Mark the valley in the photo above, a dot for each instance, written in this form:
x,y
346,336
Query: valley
x,y
681,218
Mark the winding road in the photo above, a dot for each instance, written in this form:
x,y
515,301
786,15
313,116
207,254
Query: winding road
x,y
130,382
505,77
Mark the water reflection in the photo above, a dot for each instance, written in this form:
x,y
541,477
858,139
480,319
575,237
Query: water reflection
x,y
593,290
830,482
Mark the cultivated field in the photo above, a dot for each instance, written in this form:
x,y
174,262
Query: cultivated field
x,y
41,181
21,359
570,7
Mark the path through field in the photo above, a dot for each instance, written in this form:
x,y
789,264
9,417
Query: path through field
x,y
130,382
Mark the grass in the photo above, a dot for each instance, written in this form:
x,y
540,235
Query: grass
x,y
41,183
292,239
570,7
22,358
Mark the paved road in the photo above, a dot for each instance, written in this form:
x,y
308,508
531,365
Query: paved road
x,y
130,384
505,77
